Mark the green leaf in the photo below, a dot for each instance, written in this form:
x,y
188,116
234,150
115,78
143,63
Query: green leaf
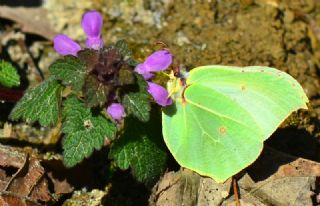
x,y
142,84
70,70
8,75
41,104
138,105
220,120
123,48
83,131
137,102
95,92
141,147
132,62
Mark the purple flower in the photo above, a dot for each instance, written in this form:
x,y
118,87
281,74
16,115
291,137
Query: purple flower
x,y
159,94
94,43
92,24
116,111
65,46
157,61
140,69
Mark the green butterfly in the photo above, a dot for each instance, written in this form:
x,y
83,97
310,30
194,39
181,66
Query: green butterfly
x,y
222,115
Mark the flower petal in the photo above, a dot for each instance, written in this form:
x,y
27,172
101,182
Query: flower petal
x,y
92,23
94,42
141,69
158,61
65,46
159,94
116,111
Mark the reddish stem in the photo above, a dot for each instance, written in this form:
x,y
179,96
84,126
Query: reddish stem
x,y
235,191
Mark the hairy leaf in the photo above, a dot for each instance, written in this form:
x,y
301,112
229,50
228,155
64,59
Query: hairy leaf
x,y
123,48
138,105
142,84
8,75
39,104
137,102
83,131
141,148
95,92
89,57
70,70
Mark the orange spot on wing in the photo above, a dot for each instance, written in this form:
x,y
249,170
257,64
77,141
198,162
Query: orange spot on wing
x,y
222,130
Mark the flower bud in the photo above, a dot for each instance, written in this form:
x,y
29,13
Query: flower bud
x,y
116,111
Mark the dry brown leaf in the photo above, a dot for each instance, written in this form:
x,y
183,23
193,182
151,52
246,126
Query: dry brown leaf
x,y
283,191
188,188
213,193
277,178
24,181
176,188
32,20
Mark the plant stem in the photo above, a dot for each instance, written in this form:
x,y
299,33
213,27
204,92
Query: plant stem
x,y
235,191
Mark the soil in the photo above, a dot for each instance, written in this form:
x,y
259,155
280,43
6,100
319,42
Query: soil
x,y
277,33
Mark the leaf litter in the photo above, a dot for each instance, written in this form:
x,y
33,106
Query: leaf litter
x,y
24,181
275,178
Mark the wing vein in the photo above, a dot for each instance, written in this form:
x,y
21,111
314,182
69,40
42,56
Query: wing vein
x,y
218,114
